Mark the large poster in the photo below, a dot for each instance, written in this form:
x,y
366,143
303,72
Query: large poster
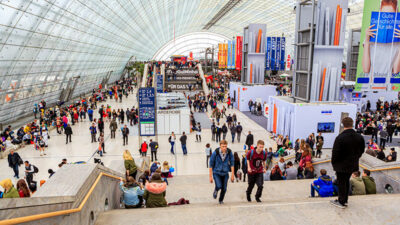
x,y
147,111
379,57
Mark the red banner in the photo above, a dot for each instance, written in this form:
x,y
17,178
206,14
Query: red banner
x,y
239,42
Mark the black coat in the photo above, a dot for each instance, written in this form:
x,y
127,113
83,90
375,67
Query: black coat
x,y
347,150
14,159
250,139
68,130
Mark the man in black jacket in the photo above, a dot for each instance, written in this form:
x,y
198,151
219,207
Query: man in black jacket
x,y
346,152
125,133
68,133
14,161
183,143
249,140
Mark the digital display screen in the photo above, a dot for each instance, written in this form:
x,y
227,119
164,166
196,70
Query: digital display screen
x,y
326,127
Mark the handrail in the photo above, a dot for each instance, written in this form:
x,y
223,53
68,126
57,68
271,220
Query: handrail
x,y
25,219
364,167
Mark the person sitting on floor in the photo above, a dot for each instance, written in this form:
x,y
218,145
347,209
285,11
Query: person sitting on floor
x,y
323,185
155,192
369,182
357,184
276,173
309,171
290,172
133,193
380,154
392,157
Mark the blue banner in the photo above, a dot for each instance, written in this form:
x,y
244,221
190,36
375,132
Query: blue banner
x,y
273,52
268,54
283,53
160,83
228,65
147,111
233,64
385,23
278,53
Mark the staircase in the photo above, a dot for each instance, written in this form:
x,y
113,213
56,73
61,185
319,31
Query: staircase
x,y
283,202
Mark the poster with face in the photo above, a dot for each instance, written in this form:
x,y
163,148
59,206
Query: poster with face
x,y
379,57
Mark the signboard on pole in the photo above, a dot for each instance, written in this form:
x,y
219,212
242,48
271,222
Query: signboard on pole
x,y
147,111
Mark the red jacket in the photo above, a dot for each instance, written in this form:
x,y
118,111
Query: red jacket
x,y
144,147
304,160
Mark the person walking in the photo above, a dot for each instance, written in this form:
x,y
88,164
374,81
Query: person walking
x,y
218,132
347,150
143,148
14,161
213,129
239,130
183,143
100,125
198,132
125,133
68,133
130,165
101,142
221,163
93,132
224,131
249,140
113,128
233,133
383,135
171,140
153,147
208,153
256,168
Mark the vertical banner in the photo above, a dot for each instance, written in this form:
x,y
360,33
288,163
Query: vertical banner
x,y
225,55
273,52
220,56
268,54
147,111
239,45
278,53
283,56
160,83
229,54
378,60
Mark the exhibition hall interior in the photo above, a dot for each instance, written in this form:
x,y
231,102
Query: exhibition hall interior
x,y
199,112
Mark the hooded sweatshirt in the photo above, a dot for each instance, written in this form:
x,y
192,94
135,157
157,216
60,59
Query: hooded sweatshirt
x,y
370,185
325,186
357,186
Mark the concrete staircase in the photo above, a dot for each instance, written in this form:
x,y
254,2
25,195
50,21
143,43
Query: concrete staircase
x,y
283,202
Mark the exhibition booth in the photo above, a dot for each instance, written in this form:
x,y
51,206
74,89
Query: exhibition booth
x,y
173,113
300,119
242,93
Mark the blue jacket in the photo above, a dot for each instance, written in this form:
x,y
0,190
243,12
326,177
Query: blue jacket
x,y
90,112
221,167
93,130
325,186
131,194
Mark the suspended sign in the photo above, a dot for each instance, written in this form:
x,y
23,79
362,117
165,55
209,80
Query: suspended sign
x,y
275,53
239,42
147,111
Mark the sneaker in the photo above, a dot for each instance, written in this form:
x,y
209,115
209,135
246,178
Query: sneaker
x,y
221,202
337,204
215,194
258,200
248,197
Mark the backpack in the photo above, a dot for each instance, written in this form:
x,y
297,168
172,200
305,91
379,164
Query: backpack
x,y
252,152
35,169
239,129
169,139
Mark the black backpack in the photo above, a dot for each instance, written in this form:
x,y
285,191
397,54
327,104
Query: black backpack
x,y
35,169
169,139
239,129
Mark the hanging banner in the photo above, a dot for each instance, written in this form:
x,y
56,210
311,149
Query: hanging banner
x,y
229,54
233,54
160,83
225,55
268,54
278,53
273,52
283,56
288,63
239,44
378,60
220,56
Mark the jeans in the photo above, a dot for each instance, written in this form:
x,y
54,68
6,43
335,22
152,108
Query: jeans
x,y
238,137
257,178
213,136
233,137
153,153
221,183
218,139
383,142
112,133
343,180
16,170
125,137
184,149
172,147
224,136
198,137
93,137
313,189
68,136
90,117
208,160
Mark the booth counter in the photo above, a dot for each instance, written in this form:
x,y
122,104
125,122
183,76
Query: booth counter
x,y
242,93
361,98
173,113
299,120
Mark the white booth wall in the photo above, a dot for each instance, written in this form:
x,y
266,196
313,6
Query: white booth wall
x,y
242,93
299,120
174,120
373,97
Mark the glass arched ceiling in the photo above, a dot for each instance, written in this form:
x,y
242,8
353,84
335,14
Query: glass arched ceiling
x,y
194,42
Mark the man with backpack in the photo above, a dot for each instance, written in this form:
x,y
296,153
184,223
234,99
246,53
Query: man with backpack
x,y
256,168
29,171
239,130
221,163
213,131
